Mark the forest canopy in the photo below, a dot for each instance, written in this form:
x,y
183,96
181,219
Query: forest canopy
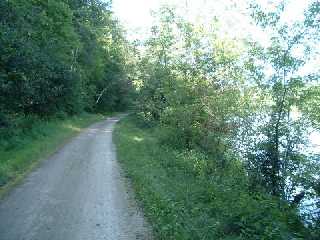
x,y
61,56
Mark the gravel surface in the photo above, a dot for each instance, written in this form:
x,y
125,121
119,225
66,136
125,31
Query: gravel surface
x,y
79,193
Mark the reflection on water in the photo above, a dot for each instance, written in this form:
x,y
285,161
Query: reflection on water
x,y
315,141
309,206
247,139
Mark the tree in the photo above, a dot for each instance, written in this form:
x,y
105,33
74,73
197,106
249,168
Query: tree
x,y
277,161
191,83
58,56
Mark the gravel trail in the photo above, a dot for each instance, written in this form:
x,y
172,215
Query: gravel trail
x,y
79,193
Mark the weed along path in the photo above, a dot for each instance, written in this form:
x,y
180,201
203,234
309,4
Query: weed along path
x,y
78,193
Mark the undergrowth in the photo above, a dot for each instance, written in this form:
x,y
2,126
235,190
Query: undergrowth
x,y
186,195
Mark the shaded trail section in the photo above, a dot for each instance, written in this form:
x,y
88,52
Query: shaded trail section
x,y
78,193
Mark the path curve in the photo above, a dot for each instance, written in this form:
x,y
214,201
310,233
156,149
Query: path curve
x,y
78,193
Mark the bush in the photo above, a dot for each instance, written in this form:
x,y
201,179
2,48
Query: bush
x,y
187,195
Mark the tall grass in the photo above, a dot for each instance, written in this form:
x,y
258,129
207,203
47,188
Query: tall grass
x,y
186,195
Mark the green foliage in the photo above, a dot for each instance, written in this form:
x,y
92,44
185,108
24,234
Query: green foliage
x,y
310,105
187,196
233,99
58,56
277,158
35,56
31,138
190,84
232,116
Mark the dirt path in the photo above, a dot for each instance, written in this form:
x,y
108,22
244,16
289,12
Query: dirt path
x,y
78,193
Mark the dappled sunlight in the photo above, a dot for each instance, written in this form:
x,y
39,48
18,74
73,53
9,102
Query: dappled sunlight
x,y
113,119
96,130
107,130
138,139
89,130
73,128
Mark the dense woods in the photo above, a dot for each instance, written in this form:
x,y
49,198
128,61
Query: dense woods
x,y
60,57
235,114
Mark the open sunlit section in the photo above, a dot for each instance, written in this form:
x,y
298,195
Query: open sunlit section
x,y
138,139
232,15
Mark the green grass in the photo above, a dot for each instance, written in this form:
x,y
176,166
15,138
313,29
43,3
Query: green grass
x,y
39,141
186,196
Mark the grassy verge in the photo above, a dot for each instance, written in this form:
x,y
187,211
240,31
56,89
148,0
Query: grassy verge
x,y
186,196
38,142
